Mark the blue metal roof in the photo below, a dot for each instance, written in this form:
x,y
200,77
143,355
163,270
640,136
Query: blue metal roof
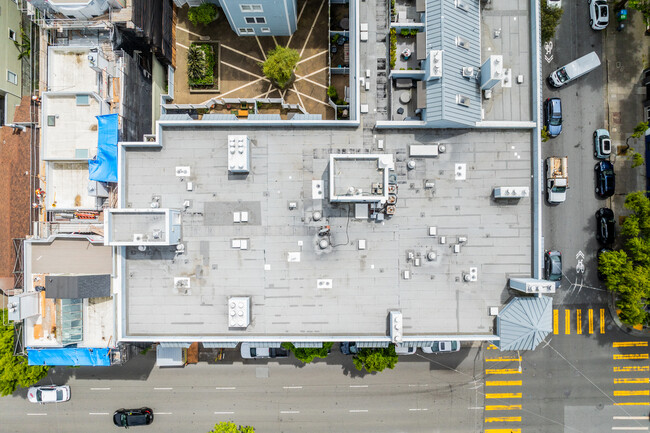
x,y
525,322
445,23
69,356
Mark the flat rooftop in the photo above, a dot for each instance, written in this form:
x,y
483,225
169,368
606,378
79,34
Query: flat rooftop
x,y
298,289
69,68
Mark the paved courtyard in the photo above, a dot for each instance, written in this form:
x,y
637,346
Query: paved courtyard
x,y
239,58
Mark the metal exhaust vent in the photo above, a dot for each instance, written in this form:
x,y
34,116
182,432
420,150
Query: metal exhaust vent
x,y
463,100
462,42
460,4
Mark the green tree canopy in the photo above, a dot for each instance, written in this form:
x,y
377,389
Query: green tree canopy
x,y
14,370
279,65
308,354
642,6
549,21
231,427
204,14
375,359
627,271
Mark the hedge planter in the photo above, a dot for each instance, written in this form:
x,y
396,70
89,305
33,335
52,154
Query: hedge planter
x,y
202,67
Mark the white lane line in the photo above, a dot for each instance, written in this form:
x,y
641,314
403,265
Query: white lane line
x,y
476,408
289,411
163,389
97,413
358,386
630,417
99,389
36,414
358,410
224,413
162,413
631,428
418,385
415,410
225,387
292,387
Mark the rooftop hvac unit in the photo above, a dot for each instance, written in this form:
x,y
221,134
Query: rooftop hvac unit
x,y
157,233
435,64
182,171
181,283
138,237
396,329
470,72
492,72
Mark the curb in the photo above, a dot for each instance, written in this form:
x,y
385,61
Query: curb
x,y
611,306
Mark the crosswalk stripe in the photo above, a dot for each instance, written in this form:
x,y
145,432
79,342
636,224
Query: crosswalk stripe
x,y
555,322
591,321
492,347
579,321
632,356
502,371
639,403
631,368
630,344
504,395
502,430
632,380
503,383
629,417
631,428
630,393
504,407
504,419
602,320
567,322
501,359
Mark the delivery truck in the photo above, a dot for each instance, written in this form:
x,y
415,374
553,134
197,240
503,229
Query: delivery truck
x,y
573,70
557,178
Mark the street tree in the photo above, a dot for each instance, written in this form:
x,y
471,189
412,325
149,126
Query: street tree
x,y
14,370
231,427
279,66
375,359
549,20
308,354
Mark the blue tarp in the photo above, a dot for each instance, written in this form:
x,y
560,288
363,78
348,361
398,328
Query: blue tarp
x,y
104,167
69,356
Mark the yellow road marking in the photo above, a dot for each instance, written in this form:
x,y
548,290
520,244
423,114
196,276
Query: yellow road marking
x,y
492,347
503,383
591,321
504,419
602,320
502,407
629,393
633,368
502,359
555,320
630,344
502,371
579,321
504,395
502,430
632,356
567,322
638,403
635,380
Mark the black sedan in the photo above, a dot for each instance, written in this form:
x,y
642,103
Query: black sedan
x,y
605,179
553,265
605,231
132,417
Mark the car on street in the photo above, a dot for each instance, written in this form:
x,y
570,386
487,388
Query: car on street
x,y
442,347
349,348
601,277
405,350
552,265
605,230
598,14
605,179
250,352
602,144
554,3
48,394
553,116
132,417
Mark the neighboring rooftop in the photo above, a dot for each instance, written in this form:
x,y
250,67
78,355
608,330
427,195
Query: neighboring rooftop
x,y
298,288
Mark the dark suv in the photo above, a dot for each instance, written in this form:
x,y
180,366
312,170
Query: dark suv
x,y
605,231
605,179
132,417
553,116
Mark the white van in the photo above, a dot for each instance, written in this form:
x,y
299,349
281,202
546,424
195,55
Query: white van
x,y
573,70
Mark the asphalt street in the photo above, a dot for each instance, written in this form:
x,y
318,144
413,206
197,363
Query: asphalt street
x,y
570,227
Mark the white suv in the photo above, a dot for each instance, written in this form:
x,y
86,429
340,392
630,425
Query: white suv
x,y
598,14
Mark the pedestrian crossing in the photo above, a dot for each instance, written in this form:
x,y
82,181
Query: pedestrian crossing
x,y
631,378
503,396
579,321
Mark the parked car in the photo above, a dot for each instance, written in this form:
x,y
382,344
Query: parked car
x,y
349,348
442,346
405,350
598,14
132,417
602,144
48,394
250,352
553,265
601,277
605,230
553,116
605,179
554,3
